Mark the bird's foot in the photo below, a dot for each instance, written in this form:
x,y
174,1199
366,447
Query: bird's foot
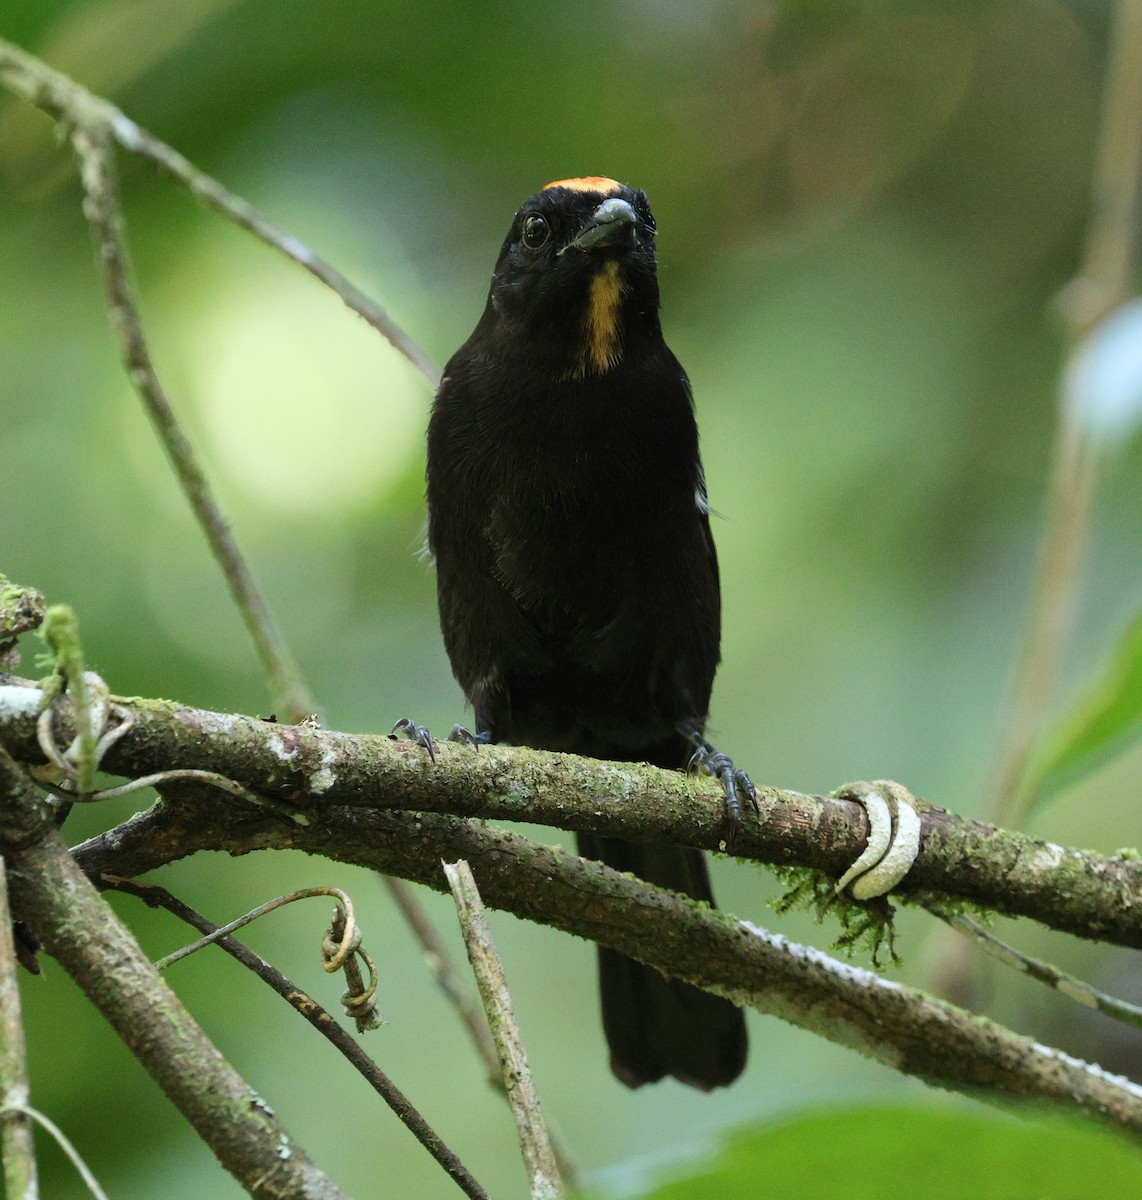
x,y
416,733
421,736
893,838
736,784
461,733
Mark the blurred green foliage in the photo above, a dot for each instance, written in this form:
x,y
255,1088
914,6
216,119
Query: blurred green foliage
x,y
1107,718
866,213
876,1153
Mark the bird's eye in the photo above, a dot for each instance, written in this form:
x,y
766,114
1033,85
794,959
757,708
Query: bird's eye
x,y
536,231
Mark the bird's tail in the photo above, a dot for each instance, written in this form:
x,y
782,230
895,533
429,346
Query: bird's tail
x,y
657,1026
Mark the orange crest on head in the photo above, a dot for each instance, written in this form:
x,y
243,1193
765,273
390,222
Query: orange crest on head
x,y
589,183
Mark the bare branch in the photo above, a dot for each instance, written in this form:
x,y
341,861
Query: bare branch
x,y
444,970
1074,989
539,1160
101,207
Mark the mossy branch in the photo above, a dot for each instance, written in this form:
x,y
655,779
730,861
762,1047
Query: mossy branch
x,y
899,1026
369,802
1074,891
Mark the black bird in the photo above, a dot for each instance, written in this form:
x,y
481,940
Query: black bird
x,y
576,574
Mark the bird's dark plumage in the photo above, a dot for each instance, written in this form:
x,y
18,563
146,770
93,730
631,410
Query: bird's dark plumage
x,y
576,574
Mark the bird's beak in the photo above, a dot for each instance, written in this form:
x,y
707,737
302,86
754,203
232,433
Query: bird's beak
x,y
613,223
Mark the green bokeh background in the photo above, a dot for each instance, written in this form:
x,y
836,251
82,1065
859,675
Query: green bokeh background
x,y
866,214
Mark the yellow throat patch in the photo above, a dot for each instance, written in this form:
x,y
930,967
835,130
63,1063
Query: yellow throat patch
x,y
602,341
601,348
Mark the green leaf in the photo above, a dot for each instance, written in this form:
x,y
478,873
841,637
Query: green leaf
x,y
1103,723
915,1154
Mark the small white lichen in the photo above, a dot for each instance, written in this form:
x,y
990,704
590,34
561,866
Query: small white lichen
x,y
1093,1069
810,954
278,749
1045,858
20,701
325,776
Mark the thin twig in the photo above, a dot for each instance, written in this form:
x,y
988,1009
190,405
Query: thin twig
x,y
217,931
1112,235
61,1140
244,214
318,1017
95,125
448,978
61,97
101,207
538,1158
16,1144
339,949
1101,284
160,779
1036,968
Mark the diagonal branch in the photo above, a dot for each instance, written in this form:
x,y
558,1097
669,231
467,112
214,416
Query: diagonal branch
x,y
101,207
66,100
896,1025
320,1019
488,968
1074,989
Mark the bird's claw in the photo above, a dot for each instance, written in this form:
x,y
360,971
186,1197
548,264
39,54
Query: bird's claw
x,y
461,733
735,783
416,733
